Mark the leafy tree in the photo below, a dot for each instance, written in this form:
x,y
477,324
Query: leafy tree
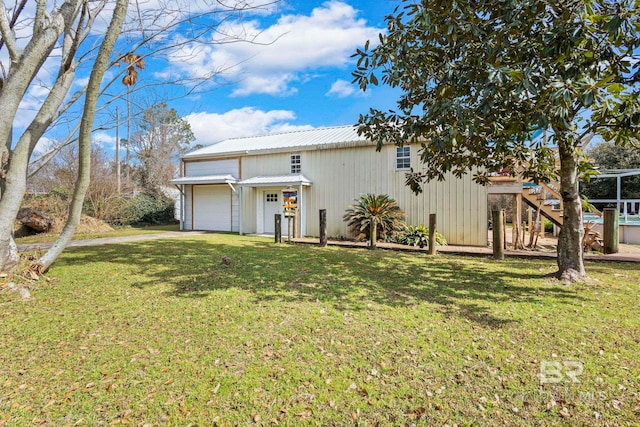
x,y
607,155
161,138
374,215
478,77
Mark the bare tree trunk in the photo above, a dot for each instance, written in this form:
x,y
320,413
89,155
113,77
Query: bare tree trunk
x,y
570,263
25,66
84,152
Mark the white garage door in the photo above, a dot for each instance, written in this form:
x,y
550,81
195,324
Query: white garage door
x,y
212,207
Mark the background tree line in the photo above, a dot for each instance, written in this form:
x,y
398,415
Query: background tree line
x,y
160,137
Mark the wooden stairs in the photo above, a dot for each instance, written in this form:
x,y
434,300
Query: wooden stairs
x,y
546,198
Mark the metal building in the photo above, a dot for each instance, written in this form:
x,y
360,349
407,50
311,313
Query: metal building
x,y
238,185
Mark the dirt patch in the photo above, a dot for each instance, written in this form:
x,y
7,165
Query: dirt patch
x,y
549,243
91,225
57,207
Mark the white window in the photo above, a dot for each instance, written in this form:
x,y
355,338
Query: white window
x,y
403,157
272,197
296,166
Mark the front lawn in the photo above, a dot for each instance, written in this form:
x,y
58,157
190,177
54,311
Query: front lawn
x,y
163,333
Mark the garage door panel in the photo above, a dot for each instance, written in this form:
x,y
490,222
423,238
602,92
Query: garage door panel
x,y
212,208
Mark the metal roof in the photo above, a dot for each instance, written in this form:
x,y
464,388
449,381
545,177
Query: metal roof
x,y
209,179
273,180
615,173
329,137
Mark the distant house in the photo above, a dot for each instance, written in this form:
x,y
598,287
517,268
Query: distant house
x,y
239,184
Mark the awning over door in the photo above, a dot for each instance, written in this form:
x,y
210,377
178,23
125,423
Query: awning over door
x,y
276,180
209,179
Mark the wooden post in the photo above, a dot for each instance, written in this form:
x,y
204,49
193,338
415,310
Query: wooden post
x,y
530,223
372,235
498,234
516,231
504,229
432,234
278,228
610,229
323,227
296,223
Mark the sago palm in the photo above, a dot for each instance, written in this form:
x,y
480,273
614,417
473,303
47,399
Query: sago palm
x,y
374,215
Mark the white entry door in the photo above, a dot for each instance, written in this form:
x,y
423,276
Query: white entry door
x,y
272,205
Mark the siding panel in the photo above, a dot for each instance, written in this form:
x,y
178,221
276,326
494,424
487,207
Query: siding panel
x,y
341,175
212,167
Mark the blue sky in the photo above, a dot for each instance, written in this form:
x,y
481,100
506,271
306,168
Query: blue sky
x,y
300,78
296,76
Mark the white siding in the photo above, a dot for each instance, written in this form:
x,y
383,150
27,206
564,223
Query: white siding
x,y
341,175
212,167
235,212
249,210
188,208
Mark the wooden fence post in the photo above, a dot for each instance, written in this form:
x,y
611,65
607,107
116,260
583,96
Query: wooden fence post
x,y
372,235
432,234
516,231
278,228
323,227
498,234
610,230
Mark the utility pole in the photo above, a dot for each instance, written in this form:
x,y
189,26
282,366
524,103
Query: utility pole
x,y
127,157
119,184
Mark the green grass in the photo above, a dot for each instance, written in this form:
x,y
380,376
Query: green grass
x,y
120,231
161,333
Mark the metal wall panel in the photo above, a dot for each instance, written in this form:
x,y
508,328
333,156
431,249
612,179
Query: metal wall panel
x,y
341,175
212,167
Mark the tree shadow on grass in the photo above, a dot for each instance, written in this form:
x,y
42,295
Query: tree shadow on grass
x,y
348,279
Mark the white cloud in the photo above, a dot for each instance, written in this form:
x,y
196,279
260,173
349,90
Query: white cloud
x,y
43,145
210,128
104,140
341,88
279,54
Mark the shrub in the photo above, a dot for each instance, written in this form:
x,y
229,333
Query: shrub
x,y
146,208
413,235
150,208
381,210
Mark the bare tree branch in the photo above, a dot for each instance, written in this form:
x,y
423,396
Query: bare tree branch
x,y
6,29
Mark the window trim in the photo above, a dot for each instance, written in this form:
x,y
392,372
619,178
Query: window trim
x,y
403,157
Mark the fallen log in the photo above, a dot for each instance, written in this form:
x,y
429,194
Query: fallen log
x,y
35,220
